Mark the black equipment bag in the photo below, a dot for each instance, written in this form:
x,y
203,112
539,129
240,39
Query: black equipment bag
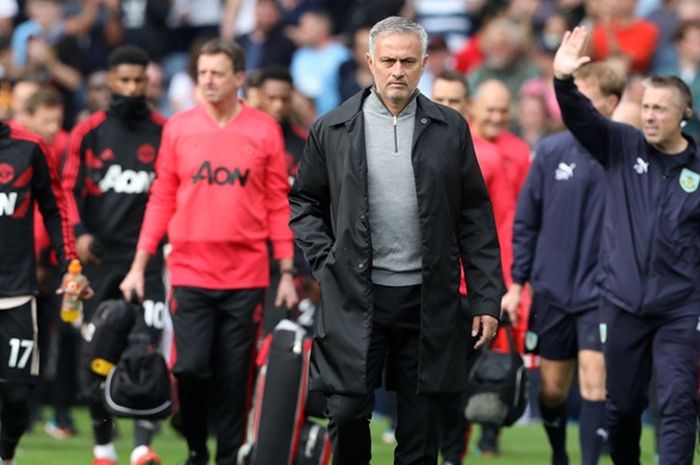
x,y
117,345
139,386
277,417
314,445
105,335
497,391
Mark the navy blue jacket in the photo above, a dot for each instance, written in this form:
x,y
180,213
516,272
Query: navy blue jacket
x,y
558,224
651,235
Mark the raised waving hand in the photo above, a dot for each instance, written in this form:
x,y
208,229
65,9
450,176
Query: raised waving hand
x,y
569,55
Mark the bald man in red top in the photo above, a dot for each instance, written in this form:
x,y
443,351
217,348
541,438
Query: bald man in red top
x,y
220,194
451,89
490,112
490,116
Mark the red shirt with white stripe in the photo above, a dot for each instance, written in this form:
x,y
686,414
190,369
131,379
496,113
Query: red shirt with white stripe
x,y
220,193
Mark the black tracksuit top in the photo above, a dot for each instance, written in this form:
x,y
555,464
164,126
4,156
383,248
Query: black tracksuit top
x,y
26,177
108,173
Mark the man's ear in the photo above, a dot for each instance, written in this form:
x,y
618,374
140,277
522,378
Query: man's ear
x,y
239,77
687,114
685,117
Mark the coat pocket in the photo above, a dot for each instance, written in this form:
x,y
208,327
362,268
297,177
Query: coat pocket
x,y
320,320
320,324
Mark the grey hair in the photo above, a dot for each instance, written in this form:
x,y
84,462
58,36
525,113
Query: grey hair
x,y
397,25
684,96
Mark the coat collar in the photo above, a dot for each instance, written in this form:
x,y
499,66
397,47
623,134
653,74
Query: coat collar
x,y
352,106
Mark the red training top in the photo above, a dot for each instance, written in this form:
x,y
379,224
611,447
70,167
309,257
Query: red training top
x,y
516,158
221,193
637,40
515,153
493,171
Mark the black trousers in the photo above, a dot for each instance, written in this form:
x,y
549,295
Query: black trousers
x,y
395,341
216,332
456,430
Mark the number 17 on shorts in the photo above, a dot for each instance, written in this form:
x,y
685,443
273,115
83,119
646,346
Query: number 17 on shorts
x,y
19,356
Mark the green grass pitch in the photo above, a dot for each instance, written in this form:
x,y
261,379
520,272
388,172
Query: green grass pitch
x,y
521,445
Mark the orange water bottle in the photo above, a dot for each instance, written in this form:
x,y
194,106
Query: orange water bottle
x,y
74,289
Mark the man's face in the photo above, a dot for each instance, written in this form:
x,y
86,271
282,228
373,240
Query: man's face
x,y
97,97
128,80
623,8
490,111
591,89
20,94
396,65
216,78
499,50
154,87
266,16
313,28
46,122
451,94
276,99
688,11
438,60
661,115
689,46
45,12
361,46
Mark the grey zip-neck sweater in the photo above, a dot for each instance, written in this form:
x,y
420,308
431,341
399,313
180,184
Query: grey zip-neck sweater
x,y
393,204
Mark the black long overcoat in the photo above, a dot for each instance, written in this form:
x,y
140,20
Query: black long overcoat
x,y
329,203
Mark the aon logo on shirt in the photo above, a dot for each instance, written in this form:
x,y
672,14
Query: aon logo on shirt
x,y
8,201
220,175
126,181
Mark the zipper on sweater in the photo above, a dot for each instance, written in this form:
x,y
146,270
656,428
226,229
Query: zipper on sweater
x,y
396,137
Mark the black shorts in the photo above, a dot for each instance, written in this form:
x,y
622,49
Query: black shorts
x,y
556,334
19,351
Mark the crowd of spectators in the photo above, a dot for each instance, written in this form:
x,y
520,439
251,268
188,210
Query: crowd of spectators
x,y
64,44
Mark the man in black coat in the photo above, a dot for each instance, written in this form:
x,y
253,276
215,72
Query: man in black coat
x,y
389,202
